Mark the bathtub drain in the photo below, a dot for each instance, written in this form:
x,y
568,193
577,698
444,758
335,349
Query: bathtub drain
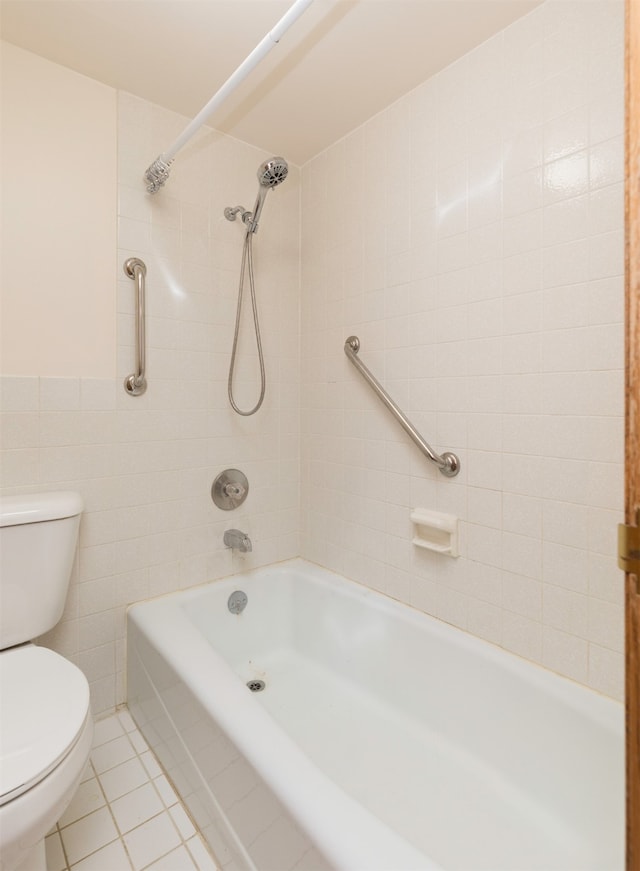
x,y
256,686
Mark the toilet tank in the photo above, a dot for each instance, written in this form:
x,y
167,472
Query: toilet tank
x,y
38,535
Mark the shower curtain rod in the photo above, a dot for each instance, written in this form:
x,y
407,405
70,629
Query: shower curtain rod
x,y
158,172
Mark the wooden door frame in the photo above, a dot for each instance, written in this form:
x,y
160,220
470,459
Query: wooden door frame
x,y
632,425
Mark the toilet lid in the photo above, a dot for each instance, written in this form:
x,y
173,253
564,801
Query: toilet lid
x,y
44,701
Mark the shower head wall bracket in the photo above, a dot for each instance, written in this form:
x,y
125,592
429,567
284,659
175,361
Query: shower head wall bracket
x,y
231,213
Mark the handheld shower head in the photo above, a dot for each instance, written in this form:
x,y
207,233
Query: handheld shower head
x,y
270,174
273,172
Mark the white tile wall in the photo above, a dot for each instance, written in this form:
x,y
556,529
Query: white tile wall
x,y
145,465
472,236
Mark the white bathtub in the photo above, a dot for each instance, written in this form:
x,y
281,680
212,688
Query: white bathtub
x,y
384,739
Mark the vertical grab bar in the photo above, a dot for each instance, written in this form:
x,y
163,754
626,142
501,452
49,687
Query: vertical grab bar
x,y
136,383
447,463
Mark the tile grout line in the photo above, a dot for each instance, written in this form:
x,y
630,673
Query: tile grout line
x,y
64,849
122,834
149,780
108,804
178,803
166,808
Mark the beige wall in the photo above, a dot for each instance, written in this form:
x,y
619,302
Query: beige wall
x,y
58,284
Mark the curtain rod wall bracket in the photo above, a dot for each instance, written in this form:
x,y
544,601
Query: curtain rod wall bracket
x,y
157,174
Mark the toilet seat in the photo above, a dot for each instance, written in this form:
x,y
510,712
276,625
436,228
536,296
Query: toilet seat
x,y
45,705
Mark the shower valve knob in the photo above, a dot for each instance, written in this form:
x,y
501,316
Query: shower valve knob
x,y
233,491
230,489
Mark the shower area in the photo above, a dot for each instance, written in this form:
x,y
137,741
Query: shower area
x,y
471,236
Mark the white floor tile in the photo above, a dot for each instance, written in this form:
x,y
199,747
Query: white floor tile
x,y
127,721
123,778
88,835
106,730
55,854
88,798
136,807
151,764
201,855
167,792
139,744
176,860
136,797
151,841
182,821
113,753
113,857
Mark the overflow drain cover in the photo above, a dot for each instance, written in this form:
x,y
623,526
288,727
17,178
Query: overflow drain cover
x,y
237,602
256,686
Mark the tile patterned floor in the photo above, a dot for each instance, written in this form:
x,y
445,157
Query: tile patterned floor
x,y
125,815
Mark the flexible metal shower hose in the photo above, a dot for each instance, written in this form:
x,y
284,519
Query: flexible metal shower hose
x,y
247,260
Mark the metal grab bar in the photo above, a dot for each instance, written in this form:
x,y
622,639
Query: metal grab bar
x,y
136,383
448,463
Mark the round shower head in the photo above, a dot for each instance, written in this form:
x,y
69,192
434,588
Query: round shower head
x,y
273,172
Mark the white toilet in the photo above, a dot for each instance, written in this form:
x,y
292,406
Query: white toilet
x,y
46,726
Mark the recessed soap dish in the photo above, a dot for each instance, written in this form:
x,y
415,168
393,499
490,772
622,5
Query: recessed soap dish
x,y
435,531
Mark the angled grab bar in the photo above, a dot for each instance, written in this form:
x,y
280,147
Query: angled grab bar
x,y
136,384
448,463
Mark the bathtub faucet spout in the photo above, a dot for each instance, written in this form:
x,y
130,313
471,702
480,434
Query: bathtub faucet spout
x,y
237,540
